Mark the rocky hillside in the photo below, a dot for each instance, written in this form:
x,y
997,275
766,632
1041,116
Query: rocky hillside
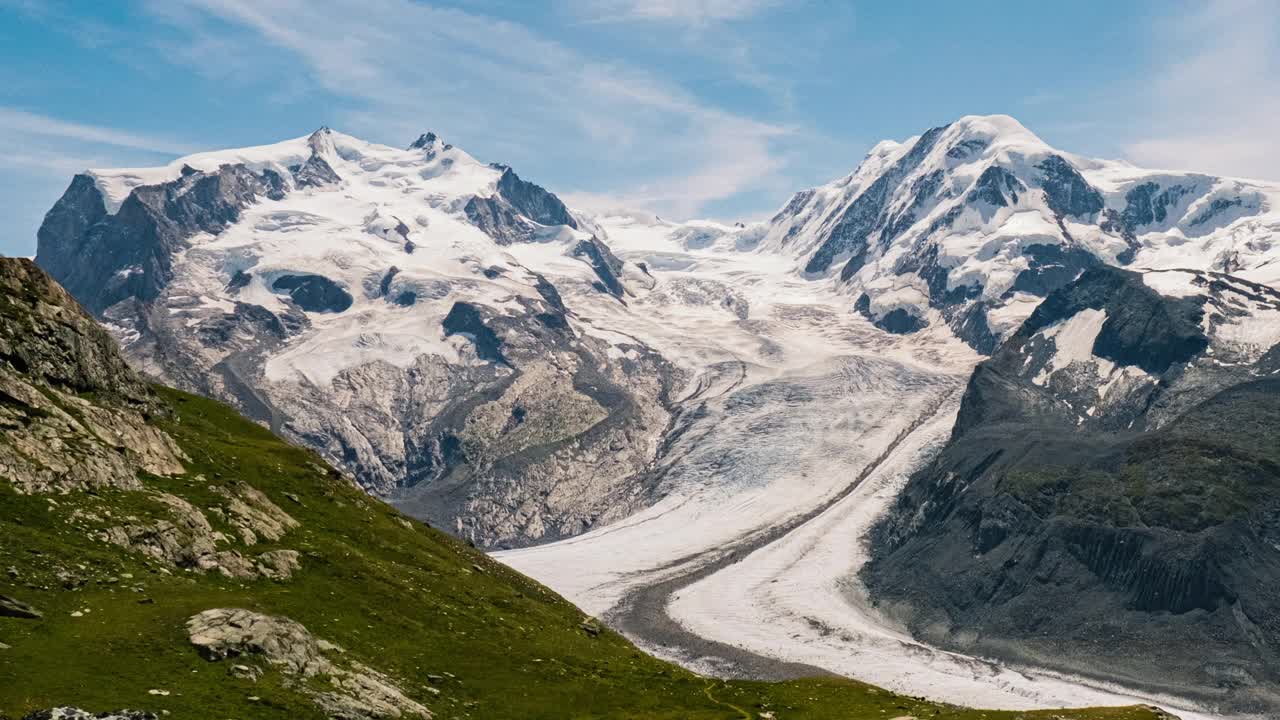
x,y
1110,496
410,314
165,555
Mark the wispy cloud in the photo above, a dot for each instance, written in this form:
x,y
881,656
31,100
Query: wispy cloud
x,y
1215,93
680,11
21,122
399,66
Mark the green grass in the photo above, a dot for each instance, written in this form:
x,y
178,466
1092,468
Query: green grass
x,y
403,598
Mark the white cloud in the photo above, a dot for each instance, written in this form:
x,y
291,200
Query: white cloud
x,y
1214,99
498,89
19,122
681,11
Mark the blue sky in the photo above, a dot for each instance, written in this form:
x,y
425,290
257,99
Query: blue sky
x,y
710,108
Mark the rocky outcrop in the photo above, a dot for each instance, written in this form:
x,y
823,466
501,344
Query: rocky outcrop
x,y
70,713
466,319
605,264
1066,190
53,359
253,515
344,688
314,293
516,210
13,608
47,336
1108,497
186,539
532,201
545,449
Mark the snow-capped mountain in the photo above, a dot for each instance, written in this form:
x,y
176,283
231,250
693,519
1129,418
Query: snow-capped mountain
x,y
971,224
401,310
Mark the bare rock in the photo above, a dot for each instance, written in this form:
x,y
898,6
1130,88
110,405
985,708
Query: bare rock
x,y
253,514
52,355
10,607
279,564
187,540
355,691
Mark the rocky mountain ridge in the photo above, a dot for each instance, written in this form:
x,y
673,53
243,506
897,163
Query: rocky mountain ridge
x,y
1108,495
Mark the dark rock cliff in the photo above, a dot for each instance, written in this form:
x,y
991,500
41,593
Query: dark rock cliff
x,y
1121,539
103,259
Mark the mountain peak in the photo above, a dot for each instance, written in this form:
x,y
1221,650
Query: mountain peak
x,y
425,141
321,142
995,129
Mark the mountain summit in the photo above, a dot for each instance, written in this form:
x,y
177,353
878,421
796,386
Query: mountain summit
x,y
971,224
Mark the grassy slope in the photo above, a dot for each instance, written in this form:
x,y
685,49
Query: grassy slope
x,y
399,596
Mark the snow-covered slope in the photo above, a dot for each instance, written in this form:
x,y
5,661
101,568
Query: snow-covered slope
x,y
970,224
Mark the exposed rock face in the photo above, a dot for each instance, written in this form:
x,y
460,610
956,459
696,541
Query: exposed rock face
x,y
314,293
76,418
52,355
253,515
606,266
514,212
353,690
544,449
104,258
1113,473
185,538
533,201
850,234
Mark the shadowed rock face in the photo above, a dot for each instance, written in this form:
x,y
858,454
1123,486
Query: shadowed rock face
x,y
314,293
103,259
506,215
852,233
998,187
899,321
465,319
1068,193
1152,520
606,265
533,201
